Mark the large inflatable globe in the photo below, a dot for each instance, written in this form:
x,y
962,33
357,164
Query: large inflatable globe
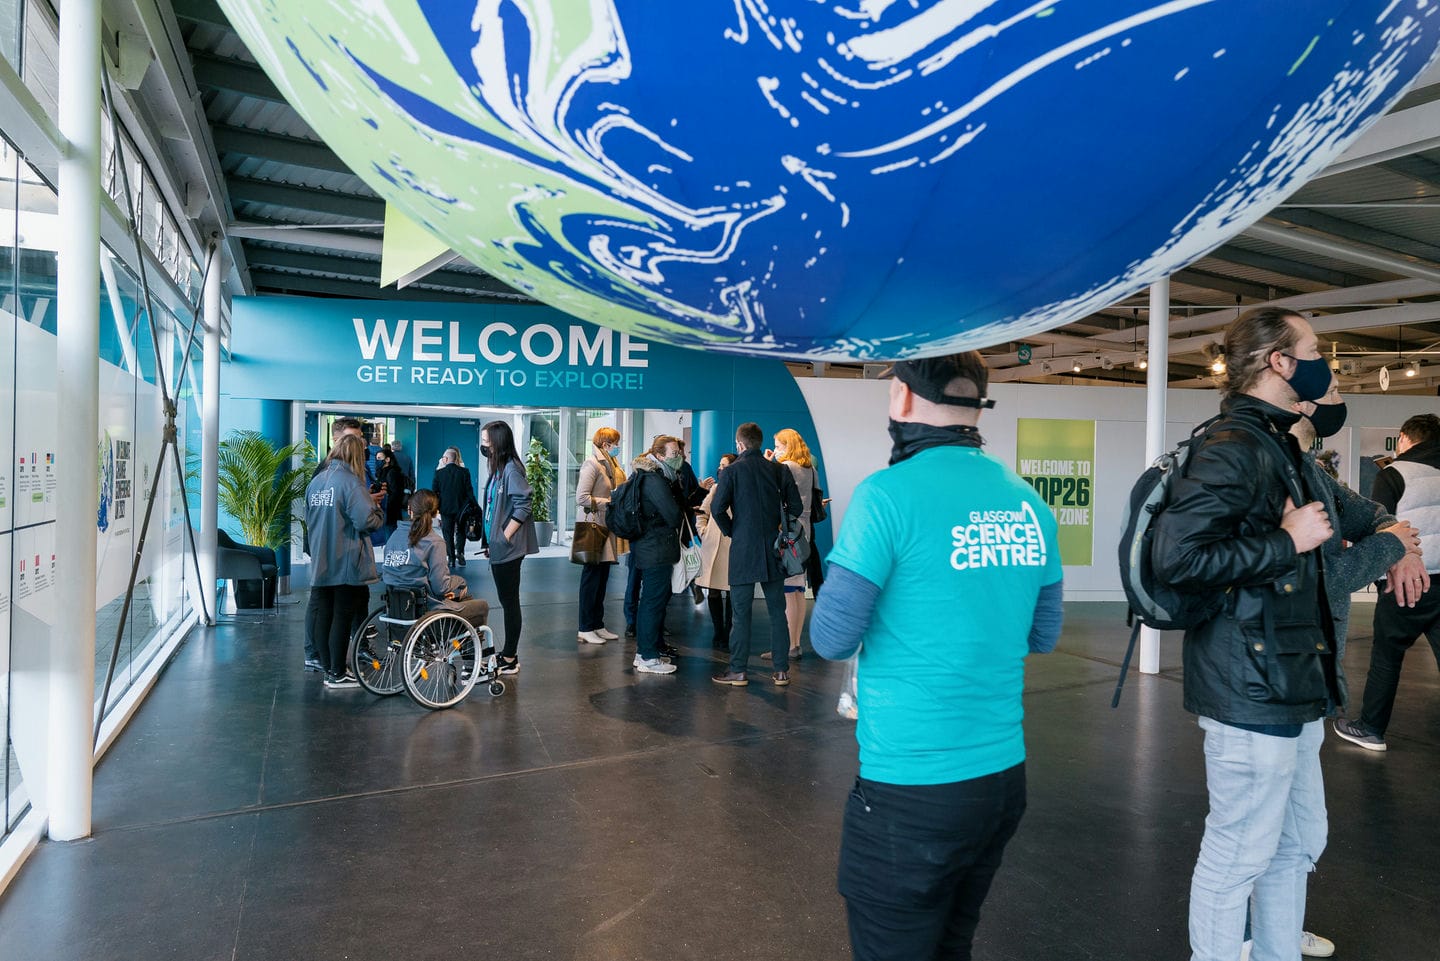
x,y
837,178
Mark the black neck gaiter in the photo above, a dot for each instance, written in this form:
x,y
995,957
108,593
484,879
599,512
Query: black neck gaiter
x,y
911,438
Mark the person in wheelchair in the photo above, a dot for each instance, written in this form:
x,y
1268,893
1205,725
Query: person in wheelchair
x,y
415,560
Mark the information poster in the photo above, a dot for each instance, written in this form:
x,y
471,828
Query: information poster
x,y
1057,458
1377,447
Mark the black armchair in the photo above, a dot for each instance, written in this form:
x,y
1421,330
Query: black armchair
x,y
251,568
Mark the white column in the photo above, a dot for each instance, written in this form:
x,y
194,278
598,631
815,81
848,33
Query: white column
x,y
1157,381
72,643
210,429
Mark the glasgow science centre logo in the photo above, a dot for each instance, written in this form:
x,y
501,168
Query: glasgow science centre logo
x,y
438,352
998,538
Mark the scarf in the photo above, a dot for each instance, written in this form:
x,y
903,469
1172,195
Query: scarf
x,y
911,438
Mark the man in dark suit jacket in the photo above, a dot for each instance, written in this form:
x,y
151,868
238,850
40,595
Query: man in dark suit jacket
x,y
748,500
455,490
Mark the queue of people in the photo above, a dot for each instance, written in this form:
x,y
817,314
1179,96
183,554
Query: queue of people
x,y
1254,522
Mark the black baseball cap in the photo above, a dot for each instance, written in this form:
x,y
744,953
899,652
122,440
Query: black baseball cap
x,y
929,376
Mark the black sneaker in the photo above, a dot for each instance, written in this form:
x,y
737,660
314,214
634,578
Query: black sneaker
x,y
1359,735
630,631
336,681
667,650
510,666
311,664
460,562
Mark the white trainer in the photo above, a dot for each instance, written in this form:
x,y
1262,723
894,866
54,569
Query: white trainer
x,y
1314,946
652,666
590,637
608,635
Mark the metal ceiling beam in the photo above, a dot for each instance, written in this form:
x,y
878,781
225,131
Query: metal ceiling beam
x,y
311,154
1215,319
319,239
1229,285
368,270
1334,323
275,280
173,70
1289,236
235,76
1231,254
1398,244
1419,169
1397,134
245,191
201,11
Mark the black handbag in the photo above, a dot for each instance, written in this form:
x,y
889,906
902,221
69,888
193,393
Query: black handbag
x,y
817,503
588,544
791,544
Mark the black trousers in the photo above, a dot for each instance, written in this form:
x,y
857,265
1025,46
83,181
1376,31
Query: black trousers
x,y
454,535
916,862
312,652
338,611
1396,629
507,588
722,615
650,619
593,579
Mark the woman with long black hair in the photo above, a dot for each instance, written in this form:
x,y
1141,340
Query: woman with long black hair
x,y
509,531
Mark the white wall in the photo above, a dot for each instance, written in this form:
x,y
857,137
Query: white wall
x,y
850,420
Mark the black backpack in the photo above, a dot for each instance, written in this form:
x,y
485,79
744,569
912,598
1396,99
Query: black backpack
x,y
1152,603
625,517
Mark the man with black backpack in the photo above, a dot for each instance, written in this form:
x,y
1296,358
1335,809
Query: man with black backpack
x,y
1261,672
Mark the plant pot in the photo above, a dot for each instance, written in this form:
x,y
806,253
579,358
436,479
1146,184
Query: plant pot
x,y
248,594
544,532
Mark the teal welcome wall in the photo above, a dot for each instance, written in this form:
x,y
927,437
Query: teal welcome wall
x,y
286,349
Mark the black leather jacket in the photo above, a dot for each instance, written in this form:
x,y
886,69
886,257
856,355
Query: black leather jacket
x,y
1268,656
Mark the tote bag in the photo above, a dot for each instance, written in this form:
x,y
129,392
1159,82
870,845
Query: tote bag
x,y
588,544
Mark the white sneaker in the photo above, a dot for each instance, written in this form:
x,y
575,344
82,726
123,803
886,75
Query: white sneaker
x,y
652,666
608,635
590,637
1314,946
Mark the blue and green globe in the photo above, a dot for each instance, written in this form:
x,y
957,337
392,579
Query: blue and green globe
x,y
830,179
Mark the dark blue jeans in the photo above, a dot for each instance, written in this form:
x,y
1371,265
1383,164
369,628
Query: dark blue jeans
x,y
654,595
742,599
916,861
593,578
632,592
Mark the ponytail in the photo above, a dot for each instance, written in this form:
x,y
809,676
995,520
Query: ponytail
x,y
423,505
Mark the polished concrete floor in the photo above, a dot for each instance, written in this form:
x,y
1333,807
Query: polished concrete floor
x,y
591,813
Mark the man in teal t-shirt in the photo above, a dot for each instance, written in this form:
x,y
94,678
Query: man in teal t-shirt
x,y
948,570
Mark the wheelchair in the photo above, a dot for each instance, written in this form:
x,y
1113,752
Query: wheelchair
x,y
436,657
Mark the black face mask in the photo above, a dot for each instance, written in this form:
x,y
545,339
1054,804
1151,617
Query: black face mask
x,y
484,450
1311,379
1328,419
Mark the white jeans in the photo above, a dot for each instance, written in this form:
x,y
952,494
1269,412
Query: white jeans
x,y
1264,833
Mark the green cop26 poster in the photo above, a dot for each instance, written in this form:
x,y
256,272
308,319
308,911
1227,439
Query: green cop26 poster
x,y
1057,458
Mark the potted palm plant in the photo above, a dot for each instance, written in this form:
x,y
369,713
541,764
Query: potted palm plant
x,y
540,473
258,486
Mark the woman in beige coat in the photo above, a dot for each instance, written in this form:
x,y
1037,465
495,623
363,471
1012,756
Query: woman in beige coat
x,y
599,476
715,567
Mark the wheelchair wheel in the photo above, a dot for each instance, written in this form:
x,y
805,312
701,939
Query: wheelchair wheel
x,y
375,655
497,688
440,660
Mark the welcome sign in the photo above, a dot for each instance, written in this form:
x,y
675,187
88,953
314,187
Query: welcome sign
x,y
1057,458
393,353
441,353
396,352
